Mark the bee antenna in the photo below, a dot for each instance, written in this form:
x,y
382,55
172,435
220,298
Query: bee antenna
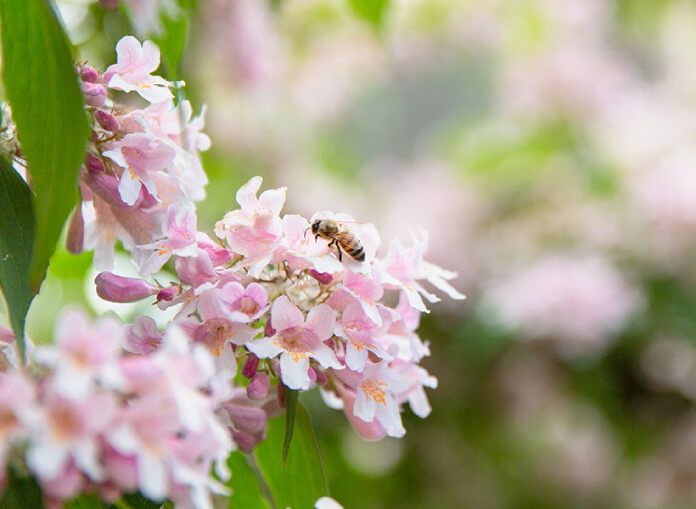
x,y
305,232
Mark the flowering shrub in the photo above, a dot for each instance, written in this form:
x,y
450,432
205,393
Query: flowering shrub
x,y
120,408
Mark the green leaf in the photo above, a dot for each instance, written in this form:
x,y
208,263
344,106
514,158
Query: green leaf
x,y
16,241
303,481
290,414
85,501
371,11
47,106
137,501
246,490
172,42
21,492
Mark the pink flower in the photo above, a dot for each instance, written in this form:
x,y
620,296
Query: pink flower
x,y
375,398
244,304
83,355
180,240
361,335
142,337
18,413
70,430
134,68
139,154
297,340
253,230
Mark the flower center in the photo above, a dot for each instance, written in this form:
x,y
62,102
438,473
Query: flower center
x,y
297,340
373,390
248,306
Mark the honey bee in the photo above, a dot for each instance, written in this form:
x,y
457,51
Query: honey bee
x,y
340,236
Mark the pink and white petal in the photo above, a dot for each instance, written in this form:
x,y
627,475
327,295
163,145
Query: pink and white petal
x,y
444,286
388,414
154,94
128,52
129,187
294,367
85,454
356,358
364,408
150,59
273,199
428,295
155,261
116,156
246,195
118,83
241,333
419,402
232,291
327,264
285,315
72,383
47,459
326,357
152,477
258,293
264,348
372,312
327,503
322,320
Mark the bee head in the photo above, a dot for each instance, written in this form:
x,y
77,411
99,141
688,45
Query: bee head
x,y
315,226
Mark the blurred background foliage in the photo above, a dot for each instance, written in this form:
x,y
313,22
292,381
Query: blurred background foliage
x,y
548,147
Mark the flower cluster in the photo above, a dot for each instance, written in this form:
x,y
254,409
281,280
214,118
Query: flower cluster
x,y
278,301
101,419
142,167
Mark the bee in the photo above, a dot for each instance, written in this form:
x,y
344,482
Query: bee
x,y
340,236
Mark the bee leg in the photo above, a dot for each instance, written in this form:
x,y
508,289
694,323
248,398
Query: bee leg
x,y
316,237
340,257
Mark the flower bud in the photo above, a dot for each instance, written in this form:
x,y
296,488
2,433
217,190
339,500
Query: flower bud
x,y
244,441
258,386
88,74
167,294
312,377
95,95
268,331
322,379
248,419
122,289
94,164
368,430
106,120
74,240
323,277
250,366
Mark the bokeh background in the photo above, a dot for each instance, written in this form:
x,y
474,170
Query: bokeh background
x,y
548,147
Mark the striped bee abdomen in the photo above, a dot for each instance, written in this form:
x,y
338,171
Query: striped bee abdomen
x,y
351,245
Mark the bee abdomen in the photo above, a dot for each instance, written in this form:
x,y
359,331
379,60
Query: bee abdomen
x,y
358,254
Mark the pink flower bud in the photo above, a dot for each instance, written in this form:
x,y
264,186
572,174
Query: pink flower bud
x,y
145,200
122,289
250,366
106,120
248,419
312,377
94,164
323,277
322,379
245,441
258,386
74,241
268,331
167,294
88,74
95,95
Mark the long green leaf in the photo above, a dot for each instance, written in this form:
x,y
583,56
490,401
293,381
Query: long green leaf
x,y
16,240
290,414
47,106
303,481
85,501
21,492
246,490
